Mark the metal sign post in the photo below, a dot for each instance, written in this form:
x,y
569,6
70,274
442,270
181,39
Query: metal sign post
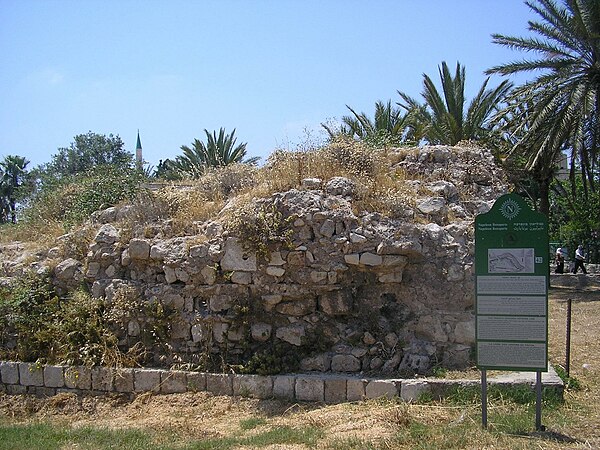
x,y
511,291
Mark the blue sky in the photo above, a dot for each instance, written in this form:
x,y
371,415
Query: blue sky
x,y
271,69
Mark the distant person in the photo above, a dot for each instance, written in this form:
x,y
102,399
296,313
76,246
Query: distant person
x,y
579,258
559,259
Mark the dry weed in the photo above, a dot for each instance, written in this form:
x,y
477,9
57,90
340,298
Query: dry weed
x,y
44,233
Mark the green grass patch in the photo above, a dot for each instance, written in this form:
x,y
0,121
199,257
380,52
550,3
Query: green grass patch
x,y
352,443
569,381
277,436
519,394
251,423
46,436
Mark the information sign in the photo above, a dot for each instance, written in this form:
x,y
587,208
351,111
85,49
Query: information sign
x,y
511,271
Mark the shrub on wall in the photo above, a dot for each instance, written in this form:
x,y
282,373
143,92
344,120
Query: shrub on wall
x,y
73,199
36,325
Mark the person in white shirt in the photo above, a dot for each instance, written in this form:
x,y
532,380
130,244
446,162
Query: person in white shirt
x,y
579,258
559,259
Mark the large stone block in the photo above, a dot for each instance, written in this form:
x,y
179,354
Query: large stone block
x,y
173,381
261,331
107,234
159,251
254,386
139,249
353,259
412,390
297,306
370,259
292,334
68,270
146,380
320,363
335,390
196,381
237,258
311,389
275,271
296,258
341,186
79,377
241,278
31,375
355,389
54,376
433,206
284,386
219,303
9,372
464,332
430,328
219,383
209,274
123,380
381,388
337,303
345,363
328,228
102,379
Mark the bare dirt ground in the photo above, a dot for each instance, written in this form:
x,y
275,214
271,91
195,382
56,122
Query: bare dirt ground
x,y
194,416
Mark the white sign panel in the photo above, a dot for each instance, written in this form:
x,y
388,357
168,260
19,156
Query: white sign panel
x,y
511,328
511,305
512,354
511,284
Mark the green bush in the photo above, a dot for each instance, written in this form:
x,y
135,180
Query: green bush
x,y
260,227
38,325
73,199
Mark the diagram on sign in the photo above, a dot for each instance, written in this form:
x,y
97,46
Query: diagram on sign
x,y
511,260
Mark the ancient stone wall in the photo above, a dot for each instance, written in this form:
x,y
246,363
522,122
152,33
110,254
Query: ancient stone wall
x,y
345,292
350,294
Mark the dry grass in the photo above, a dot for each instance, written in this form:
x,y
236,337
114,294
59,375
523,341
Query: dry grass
x,y
43,232
379,187
376,424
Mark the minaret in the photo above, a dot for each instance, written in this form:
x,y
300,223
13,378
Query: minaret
x,y
139,162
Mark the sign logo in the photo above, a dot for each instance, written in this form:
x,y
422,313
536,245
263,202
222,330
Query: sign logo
x,y
510,209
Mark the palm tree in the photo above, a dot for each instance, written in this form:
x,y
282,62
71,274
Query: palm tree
x,y
12,174
443,117
565,96
388,125
218,151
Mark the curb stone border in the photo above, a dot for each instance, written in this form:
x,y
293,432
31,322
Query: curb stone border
x,y
30,378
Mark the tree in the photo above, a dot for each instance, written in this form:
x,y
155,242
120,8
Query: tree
x,y
218,151
94,172
12,176
565,96
514,123
88,151
389,126
574,220
443,118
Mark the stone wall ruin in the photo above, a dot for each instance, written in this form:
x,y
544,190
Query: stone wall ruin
x,y
352,292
